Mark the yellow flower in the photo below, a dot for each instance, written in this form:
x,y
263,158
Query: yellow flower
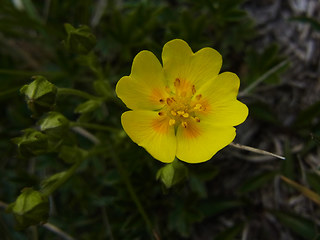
x,y
183,109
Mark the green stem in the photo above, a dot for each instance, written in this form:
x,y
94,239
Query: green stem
x,y
48,191
75,92
93,126
129,186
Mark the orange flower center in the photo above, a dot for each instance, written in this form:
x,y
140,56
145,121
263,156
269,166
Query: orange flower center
x,y
182,105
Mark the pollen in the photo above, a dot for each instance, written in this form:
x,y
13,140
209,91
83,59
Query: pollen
x,y
172,122
185,115
198,107
173,113
184,124
180,113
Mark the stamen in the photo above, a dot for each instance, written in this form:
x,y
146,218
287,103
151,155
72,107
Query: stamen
x,y
193,90
160,113
197,119
172,122
185,115
177,82
173,113
198,97
184,124
161,100
180,113
198,107
169,101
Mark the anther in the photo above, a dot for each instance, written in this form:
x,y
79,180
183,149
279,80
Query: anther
x,y
173,113
198,107
160,113
180,113
198,97
184,124
161,100
172,122
197,119
169,101
185,115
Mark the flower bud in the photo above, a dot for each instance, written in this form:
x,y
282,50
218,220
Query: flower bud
x,y
30,208
54,124
31,143
40,95
172,173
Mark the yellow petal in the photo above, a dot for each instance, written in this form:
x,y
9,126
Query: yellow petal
x,y
145,87
201,140
222,88
180,62
151,131
230,113
219,98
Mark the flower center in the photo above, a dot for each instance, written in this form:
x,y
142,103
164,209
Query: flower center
x,y
181,107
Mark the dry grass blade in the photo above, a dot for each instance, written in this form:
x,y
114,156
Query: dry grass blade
x,y
305,191
255,150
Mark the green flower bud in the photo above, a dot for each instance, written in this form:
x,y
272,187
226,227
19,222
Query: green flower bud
x,y
31,143
30,208
40,95
172,173
54,124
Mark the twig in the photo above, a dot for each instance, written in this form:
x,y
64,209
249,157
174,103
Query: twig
x,y
58,231
262,78
255,150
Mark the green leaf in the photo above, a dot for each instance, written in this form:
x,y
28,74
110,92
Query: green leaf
x,y
288,165
103,88
88,106
306,116
30,208
257,182
72,154
79,40
312,21
314,181
303,227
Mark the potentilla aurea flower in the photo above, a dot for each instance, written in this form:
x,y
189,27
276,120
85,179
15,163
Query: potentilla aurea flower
x,y
183,109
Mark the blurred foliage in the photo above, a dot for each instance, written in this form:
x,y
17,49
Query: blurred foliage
x,y
68,144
